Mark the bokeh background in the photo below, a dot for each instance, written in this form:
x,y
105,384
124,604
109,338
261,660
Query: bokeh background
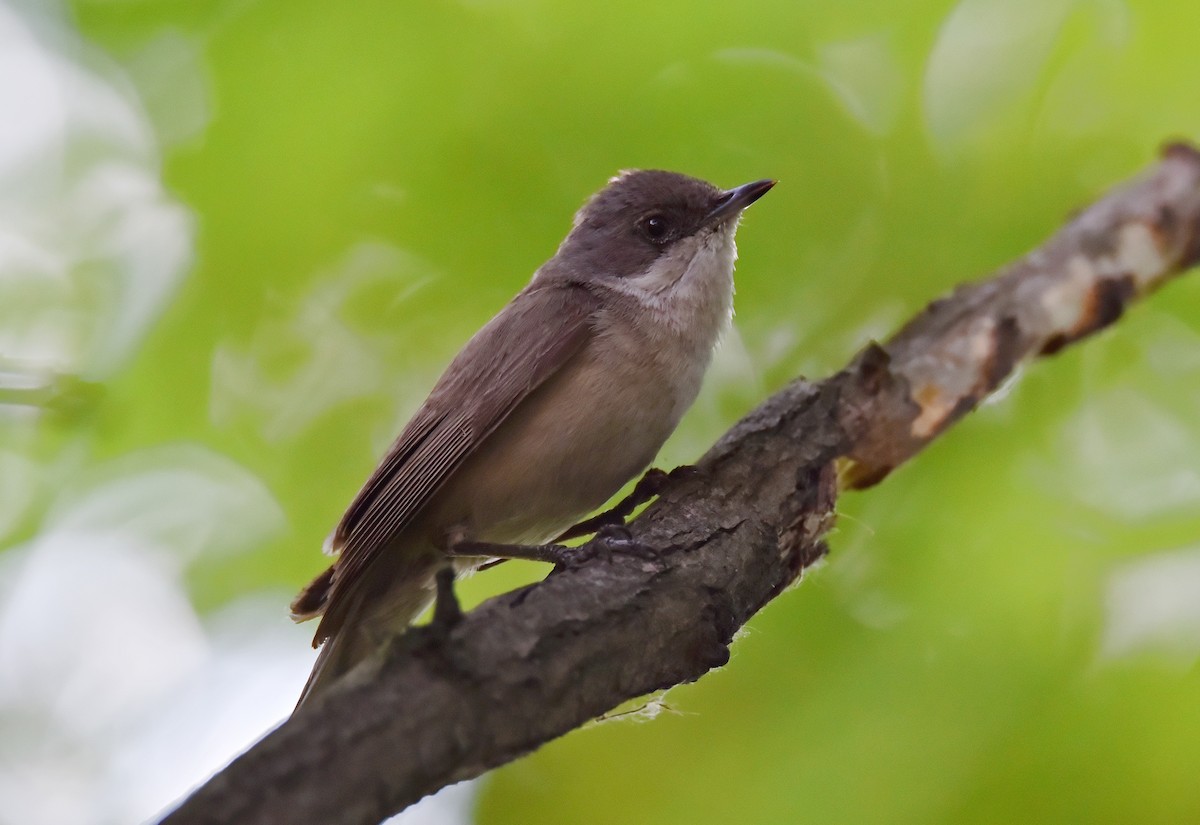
x,y
240,238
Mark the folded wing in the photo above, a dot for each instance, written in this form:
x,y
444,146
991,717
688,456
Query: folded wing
x,y
493,374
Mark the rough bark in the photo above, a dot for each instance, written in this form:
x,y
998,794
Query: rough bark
x,y
533,664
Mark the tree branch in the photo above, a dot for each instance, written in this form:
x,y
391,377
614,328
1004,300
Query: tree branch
x,y
533,664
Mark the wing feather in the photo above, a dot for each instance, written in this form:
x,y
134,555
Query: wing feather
x,y
493,374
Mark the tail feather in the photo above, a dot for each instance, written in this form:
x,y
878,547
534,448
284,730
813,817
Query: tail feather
x,y
310,602
365,624
336,657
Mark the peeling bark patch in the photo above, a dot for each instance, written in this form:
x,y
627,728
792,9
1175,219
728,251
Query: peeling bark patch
x,y
936,409
1107,303
1064,301
966,370
875,411
1139,252
1103,305
1001,361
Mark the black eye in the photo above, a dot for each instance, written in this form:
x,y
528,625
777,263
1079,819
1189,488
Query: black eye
x,y
655,228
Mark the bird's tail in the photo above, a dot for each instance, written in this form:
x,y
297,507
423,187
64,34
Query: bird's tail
x,y
363,627
338,654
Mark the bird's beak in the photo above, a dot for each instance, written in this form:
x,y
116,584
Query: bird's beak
x,y
735,200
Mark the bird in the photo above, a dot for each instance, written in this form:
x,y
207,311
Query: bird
x,y
562,398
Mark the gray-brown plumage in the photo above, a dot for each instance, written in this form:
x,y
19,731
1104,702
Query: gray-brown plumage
x,y
558,401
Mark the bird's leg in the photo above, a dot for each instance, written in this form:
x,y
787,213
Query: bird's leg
x,y
650,485
551,553
610,540
446,610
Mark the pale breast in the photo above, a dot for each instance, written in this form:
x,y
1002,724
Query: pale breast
x,y
569,447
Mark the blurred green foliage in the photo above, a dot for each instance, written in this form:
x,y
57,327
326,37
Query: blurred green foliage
x,y
370,181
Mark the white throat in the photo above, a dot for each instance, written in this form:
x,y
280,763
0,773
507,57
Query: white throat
x,y
690,287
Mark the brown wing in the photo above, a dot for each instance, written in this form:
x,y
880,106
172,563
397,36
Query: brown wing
x,y
489,378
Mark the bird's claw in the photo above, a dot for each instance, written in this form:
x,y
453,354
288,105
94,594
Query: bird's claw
x,y
617,539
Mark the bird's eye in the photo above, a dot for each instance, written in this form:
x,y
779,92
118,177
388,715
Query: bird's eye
x,y
655,228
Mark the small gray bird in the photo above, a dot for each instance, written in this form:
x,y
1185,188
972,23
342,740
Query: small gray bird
x,y
562,398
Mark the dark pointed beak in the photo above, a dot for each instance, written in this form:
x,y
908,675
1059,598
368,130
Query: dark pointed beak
x,y
737,199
